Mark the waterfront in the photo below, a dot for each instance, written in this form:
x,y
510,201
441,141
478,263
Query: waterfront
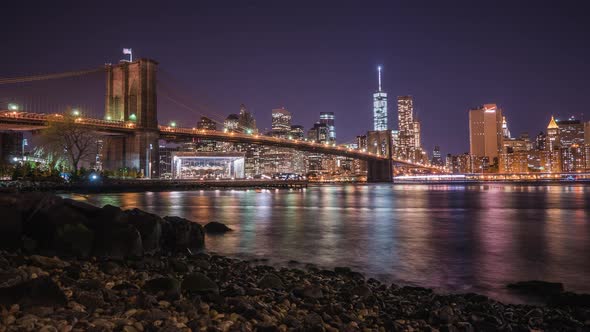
x,y
466,238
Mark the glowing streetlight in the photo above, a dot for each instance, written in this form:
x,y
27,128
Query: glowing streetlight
x,y
13,107
75,112
133,117
172,124
109,118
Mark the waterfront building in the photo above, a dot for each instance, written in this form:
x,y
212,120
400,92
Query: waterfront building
x,y
485,132
281,122
207,165
165,162
379,107
206,123
327,118
460,164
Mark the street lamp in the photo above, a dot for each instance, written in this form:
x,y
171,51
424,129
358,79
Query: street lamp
x,y
75,112
13,107
172,124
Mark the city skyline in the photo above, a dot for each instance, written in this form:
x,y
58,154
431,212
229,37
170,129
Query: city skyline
x,y
272,69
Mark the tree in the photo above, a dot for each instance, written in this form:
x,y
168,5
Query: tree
x,y
65,136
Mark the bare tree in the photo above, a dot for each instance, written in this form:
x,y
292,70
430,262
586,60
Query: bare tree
x,y
67,137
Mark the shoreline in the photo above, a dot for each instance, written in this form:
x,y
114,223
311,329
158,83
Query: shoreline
x,y
185,292
77,267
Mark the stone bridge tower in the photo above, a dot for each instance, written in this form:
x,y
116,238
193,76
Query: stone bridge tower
x,y
131,97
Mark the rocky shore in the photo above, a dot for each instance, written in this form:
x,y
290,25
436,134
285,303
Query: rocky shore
x,y
69,266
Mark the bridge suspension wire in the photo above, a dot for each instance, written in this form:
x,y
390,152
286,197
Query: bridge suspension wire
x,y
25,79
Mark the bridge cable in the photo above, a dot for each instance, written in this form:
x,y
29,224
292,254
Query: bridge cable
x,y
24,79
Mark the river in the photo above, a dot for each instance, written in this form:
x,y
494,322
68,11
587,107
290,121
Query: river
x,y
456,238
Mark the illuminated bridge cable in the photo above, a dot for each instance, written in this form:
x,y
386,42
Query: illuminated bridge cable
x,y
25,79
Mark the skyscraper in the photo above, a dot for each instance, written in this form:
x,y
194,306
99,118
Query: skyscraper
x,y
552,135
571,132
206,123
505,130
328,119
405,116
246,123
379,107
281,121
485,131
436,156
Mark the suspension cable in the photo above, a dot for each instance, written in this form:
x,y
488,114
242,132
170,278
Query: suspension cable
x,y
24,79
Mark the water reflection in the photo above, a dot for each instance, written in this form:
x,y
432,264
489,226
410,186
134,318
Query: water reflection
x,y
451,237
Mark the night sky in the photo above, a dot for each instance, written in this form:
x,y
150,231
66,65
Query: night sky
x,y
531,58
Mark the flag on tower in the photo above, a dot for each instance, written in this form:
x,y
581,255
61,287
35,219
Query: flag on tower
x,y
130,52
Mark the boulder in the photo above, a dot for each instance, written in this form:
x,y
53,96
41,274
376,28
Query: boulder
x,y
86,209
73,239
10,228
536,287
165,287
149,227
271,280
199,283
216,228
12,277
117,241
108,215
570,299
179,234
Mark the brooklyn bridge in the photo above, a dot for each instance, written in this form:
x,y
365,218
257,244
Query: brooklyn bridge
x,y
130,121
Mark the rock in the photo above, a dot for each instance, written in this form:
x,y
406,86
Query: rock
x,y
73,239
110,267
342,270
178,234
10,228
178,266
41,291
271,280
309,292
570,299
12,277
536,287
199,283
117,241
215,227
361,291
48,262
90,299
149,226
164,287
86,209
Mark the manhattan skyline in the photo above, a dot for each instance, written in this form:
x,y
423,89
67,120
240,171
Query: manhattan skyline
x,y
527,59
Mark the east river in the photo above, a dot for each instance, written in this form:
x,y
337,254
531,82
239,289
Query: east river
x,y
453,238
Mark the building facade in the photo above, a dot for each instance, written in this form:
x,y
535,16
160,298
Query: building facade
x,y
485,132
379,107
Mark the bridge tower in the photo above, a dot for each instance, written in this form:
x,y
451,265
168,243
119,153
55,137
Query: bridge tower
x,y
131,97
381,143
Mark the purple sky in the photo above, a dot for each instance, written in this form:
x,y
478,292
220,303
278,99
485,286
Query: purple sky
x,y
530,58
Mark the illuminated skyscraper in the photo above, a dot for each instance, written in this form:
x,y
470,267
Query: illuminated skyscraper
x,y
505,130
485,131
206,123
552,135
405,116
328,119
379,107
281,121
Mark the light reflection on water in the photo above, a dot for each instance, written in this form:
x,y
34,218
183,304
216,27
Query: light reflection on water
x,y
450,237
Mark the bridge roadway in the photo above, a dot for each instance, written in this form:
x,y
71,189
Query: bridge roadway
x,y
12,120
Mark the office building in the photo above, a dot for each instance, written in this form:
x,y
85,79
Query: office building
x,y
379,107
436,156
281,122
571,132
328,119
485,132
405,118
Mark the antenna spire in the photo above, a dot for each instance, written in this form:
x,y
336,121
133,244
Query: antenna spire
x,y
379,70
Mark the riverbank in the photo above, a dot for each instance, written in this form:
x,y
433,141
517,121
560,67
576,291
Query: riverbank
x,y
133,271
208,292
